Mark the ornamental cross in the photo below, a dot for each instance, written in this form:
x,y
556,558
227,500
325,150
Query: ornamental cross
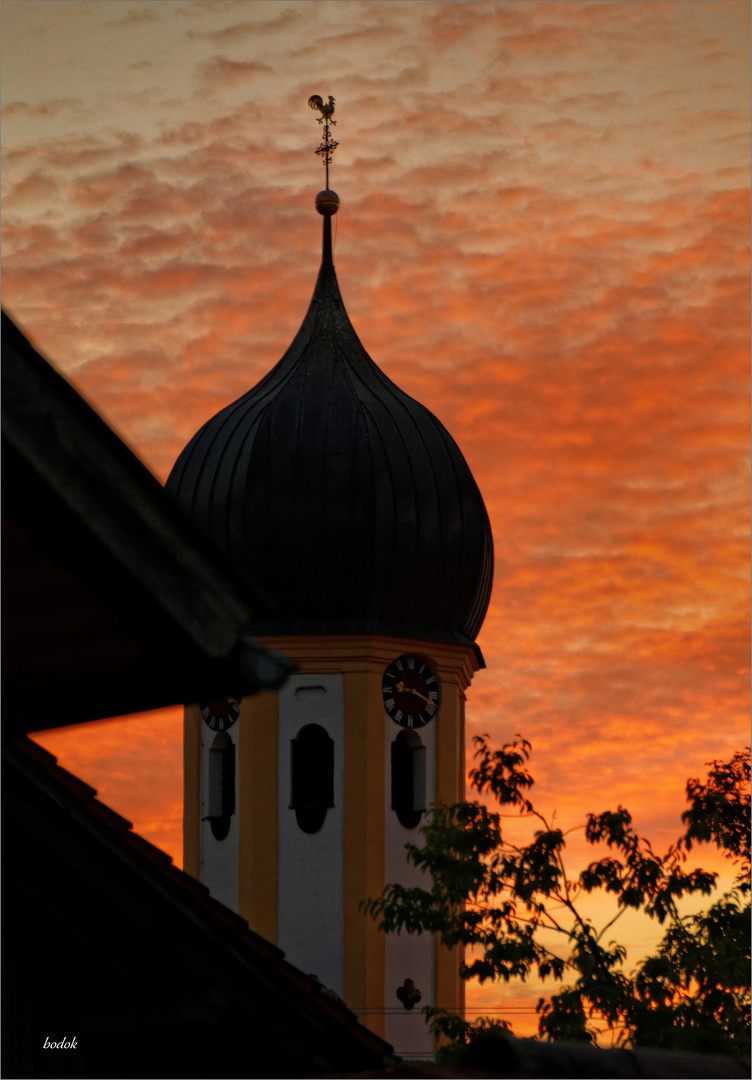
x,y
329,145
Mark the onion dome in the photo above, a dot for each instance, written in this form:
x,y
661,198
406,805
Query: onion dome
x,y
345,502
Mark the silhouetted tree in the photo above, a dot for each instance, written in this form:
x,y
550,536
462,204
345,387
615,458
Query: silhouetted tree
x,y
504,901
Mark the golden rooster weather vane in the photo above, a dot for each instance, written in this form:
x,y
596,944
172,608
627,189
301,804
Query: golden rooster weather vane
x,y
329,145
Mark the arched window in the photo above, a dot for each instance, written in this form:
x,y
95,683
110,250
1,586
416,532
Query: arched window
x,y
312,761
221,788
408,778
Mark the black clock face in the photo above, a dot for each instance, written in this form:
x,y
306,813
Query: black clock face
x,y
220,714
411,692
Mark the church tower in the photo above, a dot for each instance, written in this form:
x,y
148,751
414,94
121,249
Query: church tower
x,y
356,517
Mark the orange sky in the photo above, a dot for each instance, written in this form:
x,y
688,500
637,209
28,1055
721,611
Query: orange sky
x,y
543,237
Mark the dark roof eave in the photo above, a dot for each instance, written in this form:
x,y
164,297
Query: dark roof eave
x,y
379,627
85,516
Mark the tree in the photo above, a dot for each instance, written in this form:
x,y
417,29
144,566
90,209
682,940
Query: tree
x,y
719,812
508,903
695,991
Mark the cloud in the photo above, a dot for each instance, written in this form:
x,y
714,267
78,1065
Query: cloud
x,y
135,16
529,245
35,187
153,788
19,109
73,153
226,35
220,73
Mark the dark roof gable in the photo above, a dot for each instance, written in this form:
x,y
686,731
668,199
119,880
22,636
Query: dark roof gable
x,y
113,944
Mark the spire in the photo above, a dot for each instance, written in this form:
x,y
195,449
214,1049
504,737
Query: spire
x,y
327,201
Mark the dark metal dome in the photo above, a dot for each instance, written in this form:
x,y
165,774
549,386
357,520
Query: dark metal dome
x,y
345,501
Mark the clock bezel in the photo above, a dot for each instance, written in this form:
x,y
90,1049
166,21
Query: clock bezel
x,y
394,708
220,723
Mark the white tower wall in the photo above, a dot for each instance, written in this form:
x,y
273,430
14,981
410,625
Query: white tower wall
x,y
408,956
310,885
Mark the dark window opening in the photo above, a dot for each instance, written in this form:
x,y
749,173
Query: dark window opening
x,y
221,788
312,762
408,778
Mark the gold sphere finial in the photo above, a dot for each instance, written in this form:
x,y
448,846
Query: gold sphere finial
x,y
327,202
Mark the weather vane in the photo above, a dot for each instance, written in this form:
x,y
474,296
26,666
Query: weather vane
x,y
329,145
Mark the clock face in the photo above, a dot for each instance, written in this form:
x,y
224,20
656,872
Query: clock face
x,y
411,692
220,714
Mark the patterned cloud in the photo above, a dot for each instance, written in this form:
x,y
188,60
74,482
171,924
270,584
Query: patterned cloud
x,y
543,237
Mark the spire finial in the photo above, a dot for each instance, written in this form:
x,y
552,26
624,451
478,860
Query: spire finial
x,y
327,201
329,145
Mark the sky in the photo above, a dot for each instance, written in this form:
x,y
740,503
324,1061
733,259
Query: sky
x,y
543,237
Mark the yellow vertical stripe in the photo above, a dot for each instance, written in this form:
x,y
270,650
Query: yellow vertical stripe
x,y
363,853
192,790
257,873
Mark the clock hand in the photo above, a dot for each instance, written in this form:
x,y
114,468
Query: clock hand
x,y
402,689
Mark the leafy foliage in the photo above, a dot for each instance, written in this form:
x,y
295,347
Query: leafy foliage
x,y
719,812
694,993
508,903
